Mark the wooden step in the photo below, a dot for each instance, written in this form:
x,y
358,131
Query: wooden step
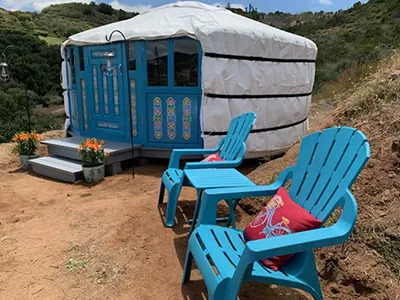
x,y
68,148
59,168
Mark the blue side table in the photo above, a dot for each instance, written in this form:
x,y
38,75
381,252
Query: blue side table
x,y
202,179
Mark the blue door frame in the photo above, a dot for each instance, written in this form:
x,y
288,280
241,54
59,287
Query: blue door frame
x,y
177,107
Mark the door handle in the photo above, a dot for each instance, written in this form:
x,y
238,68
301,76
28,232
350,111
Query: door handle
x,y
142,121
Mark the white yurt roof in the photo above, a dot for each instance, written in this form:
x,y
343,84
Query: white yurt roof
x,y
218,30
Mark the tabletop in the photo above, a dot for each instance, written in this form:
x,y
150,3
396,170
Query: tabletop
x,y
216,178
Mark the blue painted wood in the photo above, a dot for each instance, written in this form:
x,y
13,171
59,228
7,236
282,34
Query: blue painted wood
x,y
138,94
116,126
328,163
178,94
232,148
110,118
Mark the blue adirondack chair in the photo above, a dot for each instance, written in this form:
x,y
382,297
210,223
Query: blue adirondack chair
x,y
231,148
328,163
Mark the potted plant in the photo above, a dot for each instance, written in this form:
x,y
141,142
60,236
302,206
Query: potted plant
x,y
26,145
93,157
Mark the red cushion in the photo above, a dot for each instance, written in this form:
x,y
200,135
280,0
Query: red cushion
x,y
213,157
281,215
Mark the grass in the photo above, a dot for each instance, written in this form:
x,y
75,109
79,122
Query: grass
x,y
51,40
75,264
388,246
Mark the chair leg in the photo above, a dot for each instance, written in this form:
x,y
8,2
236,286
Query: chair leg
x,y
196,211
161,194
188,267
222,292
173,196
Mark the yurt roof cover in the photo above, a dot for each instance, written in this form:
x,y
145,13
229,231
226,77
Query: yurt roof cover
x,y
218,30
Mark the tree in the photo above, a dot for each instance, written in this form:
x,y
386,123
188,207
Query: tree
x,y
106,9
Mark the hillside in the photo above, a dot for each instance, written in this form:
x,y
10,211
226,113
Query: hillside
x,y
367,266
62,20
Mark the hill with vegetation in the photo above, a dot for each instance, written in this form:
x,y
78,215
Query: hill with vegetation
x,y
349,41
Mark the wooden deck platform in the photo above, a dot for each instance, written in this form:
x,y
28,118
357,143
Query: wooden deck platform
x,y
64,162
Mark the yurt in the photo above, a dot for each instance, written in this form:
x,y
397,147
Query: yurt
x,y
175,76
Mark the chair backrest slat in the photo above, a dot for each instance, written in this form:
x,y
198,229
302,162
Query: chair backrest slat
x,y
238,132
335,157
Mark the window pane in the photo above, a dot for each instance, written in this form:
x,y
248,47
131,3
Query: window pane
x,y
157,63
132,56
186,55
72,66
81,60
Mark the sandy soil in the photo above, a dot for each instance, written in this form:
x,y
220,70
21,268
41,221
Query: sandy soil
x,y
63,241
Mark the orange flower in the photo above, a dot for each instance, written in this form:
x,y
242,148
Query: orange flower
x,y
36,137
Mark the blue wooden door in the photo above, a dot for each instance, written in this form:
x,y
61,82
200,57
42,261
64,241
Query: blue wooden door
x,y
173,93
105,104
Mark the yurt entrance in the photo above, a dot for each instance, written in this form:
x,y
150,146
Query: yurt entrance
x,y
165,89
173,93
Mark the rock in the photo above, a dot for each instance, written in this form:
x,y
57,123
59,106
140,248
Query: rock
x,y
392,233
395,75
396,147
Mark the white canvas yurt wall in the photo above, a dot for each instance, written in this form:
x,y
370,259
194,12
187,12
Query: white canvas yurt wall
x,y
246,66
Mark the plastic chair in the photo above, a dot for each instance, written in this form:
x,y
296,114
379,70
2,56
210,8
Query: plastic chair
x,y
328,163
231,148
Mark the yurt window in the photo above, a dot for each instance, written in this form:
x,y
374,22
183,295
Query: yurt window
x,y
186,60
73,70
81,59
132,56
157,63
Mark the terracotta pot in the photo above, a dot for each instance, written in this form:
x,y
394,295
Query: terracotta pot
x,y
93,174
24,159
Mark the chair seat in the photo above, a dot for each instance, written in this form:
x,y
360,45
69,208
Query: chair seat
x,y
221,248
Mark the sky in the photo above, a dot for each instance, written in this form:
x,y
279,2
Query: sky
x,y
291,6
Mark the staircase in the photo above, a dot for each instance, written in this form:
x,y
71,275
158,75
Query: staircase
x,y
63,162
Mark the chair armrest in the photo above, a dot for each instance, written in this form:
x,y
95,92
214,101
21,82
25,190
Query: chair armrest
x,y
211,197
214,164
178,153
308,240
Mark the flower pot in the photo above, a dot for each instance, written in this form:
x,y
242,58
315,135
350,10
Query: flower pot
x,y
24,159
93,174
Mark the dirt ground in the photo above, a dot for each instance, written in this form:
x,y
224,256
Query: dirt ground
x,y
105,241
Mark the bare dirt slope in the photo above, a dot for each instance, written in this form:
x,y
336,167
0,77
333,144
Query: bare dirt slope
x,y
368,266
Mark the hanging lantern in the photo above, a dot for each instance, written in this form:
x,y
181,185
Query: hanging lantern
x,y
4,72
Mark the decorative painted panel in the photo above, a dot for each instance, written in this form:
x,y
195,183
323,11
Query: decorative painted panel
x,y
108,125
157,118
133,107
84,104
105,93
96,90
171,118
115,89
186,118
